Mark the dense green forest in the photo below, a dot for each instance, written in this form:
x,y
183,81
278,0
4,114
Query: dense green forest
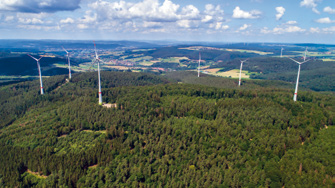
x,y
164,134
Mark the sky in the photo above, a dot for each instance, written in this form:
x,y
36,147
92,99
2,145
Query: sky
x,y
284,21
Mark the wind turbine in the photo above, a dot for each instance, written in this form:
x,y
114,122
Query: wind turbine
x,y
97,59
239,81
39,71
199,65
305,54
68,60
296,85
281,52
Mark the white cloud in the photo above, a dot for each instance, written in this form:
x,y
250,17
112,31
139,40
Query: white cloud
x,y
148,10
190,12
238,13
152,25
184,23
212,13
38,6
82,26
329,29
67,21
9,18
219,26
310,4
280,12
207,18
329,10
325,20
283,29
244,27
291,22
314,30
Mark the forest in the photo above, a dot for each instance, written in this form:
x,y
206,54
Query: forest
x,y
164,131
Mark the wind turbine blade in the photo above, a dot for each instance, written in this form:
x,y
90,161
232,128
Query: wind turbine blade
x,y
305,61
294,60
33,57
40,58
65,50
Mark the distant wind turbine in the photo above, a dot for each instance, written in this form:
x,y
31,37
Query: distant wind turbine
x,y
239,81
97,59
305,54
39,71
296,85
199,65
68,60
281,53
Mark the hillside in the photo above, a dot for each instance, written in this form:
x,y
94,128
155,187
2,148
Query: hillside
x,y
316,75
163,134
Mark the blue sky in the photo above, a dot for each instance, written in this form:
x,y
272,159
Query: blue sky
x,y
294,21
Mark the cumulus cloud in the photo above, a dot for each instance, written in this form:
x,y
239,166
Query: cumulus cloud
x,y
213,12
238,13
148,10
219,26
310,4
325,20
283,29
67,21
244,27
280,12
38,6
314,30
329,10
291,22
329,30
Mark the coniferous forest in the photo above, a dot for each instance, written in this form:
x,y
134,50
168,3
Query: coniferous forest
x,y
164,132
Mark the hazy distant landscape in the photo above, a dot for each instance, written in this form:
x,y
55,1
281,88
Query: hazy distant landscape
x,y
222,60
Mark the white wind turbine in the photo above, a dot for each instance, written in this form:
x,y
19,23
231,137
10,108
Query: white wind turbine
x,y
199,65
68,60
97,59
239,81
305,54
39,71
281,52
296,85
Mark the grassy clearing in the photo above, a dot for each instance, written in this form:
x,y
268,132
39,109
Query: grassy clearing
x,y
146,63
328,59
249,51
232,74
90,131
36,174
213,70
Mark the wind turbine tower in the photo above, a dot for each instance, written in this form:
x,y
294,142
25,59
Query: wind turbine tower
x,y
39,71
305,54
296,85
281,52
199,65
239,81
68,60
97,59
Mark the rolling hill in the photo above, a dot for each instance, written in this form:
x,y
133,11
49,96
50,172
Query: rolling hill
x,y
164,134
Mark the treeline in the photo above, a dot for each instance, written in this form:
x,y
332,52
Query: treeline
x,y
165,135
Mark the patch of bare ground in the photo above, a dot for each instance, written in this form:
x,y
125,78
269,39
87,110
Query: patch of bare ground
x,y
38,175
62,136
93,166
109,105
